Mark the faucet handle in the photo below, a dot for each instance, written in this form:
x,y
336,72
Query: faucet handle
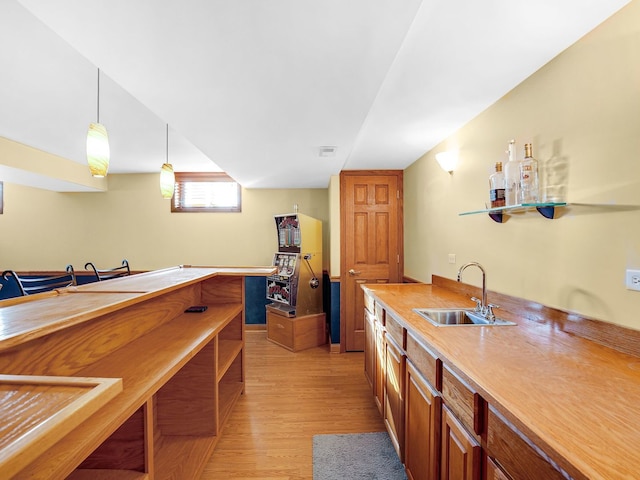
x,y
490,315
478,304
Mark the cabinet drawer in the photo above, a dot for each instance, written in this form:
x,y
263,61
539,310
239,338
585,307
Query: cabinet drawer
x,y
369,302
467,405
425,361
395,331
379,314
513,451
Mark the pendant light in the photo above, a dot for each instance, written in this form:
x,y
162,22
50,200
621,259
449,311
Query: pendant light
x,y
167,177
98,145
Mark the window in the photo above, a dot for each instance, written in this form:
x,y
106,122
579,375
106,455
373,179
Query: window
x,y
206,192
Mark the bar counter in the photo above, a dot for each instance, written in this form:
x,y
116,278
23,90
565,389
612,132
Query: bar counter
x,y
133,387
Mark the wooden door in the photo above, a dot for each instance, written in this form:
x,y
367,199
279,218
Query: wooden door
x,y
371,243
460,451
422,427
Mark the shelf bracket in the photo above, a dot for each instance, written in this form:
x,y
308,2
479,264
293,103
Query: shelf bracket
x,y
547,212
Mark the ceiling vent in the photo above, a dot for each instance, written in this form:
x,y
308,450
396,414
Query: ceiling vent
x,y
327,151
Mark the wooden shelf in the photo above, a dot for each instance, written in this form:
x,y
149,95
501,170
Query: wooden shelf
x,y
189,449
145,365
102,474
229,393
228,350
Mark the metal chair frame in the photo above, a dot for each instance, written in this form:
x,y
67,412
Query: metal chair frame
x,y
31,285
109,273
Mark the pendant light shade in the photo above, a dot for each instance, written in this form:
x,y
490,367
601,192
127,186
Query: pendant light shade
x,y
98,152
167,177
167,180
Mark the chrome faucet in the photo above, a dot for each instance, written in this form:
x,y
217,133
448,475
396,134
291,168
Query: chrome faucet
x,y
481,305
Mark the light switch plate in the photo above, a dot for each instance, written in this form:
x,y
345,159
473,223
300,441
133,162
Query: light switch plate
x,y
452,258
633,280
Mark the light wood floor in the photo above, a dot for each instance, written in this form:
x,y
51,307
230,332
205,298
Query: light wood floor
x,y
289,398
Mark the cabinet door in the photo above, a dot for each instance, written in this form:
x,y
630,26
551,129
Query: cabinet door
x,y
380,365
422,427
394,395
369,349
460,451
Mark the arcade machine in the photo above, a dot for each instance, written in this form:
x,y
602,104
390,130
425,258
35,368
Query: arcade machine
x,y
294,315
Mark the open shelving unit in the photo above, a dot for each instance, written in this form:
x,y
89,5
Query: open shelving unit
x,y
500,214
181,375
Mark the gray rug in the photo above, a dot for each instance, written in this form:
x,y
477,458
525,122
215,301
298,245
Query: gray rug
x,y
366,456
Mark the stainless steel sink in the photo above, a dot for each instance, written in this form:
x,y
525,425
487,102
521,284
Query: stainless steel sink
x,y
442,317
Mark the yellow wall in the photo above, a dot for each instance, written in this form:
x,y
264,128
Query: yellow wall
x,y
44,230
584,107
334,226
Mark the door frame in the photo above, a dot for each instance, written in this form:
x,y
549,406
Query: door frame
x,y
400,233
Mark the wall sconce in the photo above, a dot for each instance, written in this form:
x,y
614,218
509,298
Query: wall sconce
x,y
167,177
448,161
98,145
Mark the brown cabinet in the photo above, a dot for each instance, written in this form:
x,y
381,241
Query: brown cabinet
x,y
422,427
380,366
460,458
374,351
297,333
370,349
394,394
515,453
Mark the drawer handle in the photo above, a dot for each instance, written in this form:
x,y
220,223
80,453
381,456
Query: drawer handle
x,y
279,325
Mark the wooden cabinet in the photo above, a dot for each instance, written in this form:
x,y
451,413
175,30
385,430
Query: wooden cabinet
x,y
182,373
297,333
515,453
370,349
460,459
394,394
380,366
422,427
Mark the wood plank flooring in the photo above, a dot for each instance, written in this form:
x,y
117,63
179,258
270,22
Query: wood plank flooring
x,y
289,398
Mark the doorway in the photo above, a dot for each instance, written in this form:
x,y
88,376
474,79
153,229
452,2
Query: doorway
x,y
371,243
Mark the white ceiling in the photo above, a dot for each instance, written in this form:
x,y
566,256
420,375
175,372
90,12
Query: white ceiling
x,y
255,87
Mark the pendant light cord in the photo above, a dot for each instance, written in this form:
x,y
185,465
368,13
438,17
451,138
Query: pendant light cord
x,y
98,95
167,143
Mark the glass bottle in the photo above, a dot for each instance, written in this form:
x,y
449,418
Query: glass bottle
x,y
528,177
512,177
496,187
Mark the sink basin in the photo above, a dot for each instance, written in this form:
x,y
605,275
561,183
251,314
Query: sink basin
x,y
442,317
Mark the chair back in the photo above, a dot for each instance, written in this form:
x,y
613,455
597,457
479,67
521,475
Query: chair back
x,y
28,285
106,274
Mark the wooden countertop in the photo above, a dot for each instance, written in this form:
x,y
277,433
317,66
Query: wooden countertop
x,y
577,400
27,318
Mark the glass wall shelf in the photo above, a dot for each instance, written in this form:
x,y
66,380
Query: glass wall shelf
x,y
499,214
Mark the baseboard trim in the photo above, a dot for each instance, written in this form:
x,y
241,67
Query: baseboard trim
x,y
255,327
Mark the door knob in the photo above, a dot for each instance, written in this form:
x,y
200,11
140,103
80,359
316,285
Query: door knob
x,y
353,272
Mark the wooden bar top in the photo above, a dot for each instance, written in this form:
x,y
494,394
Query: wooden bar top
x,y
27,318
577,400
37,411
